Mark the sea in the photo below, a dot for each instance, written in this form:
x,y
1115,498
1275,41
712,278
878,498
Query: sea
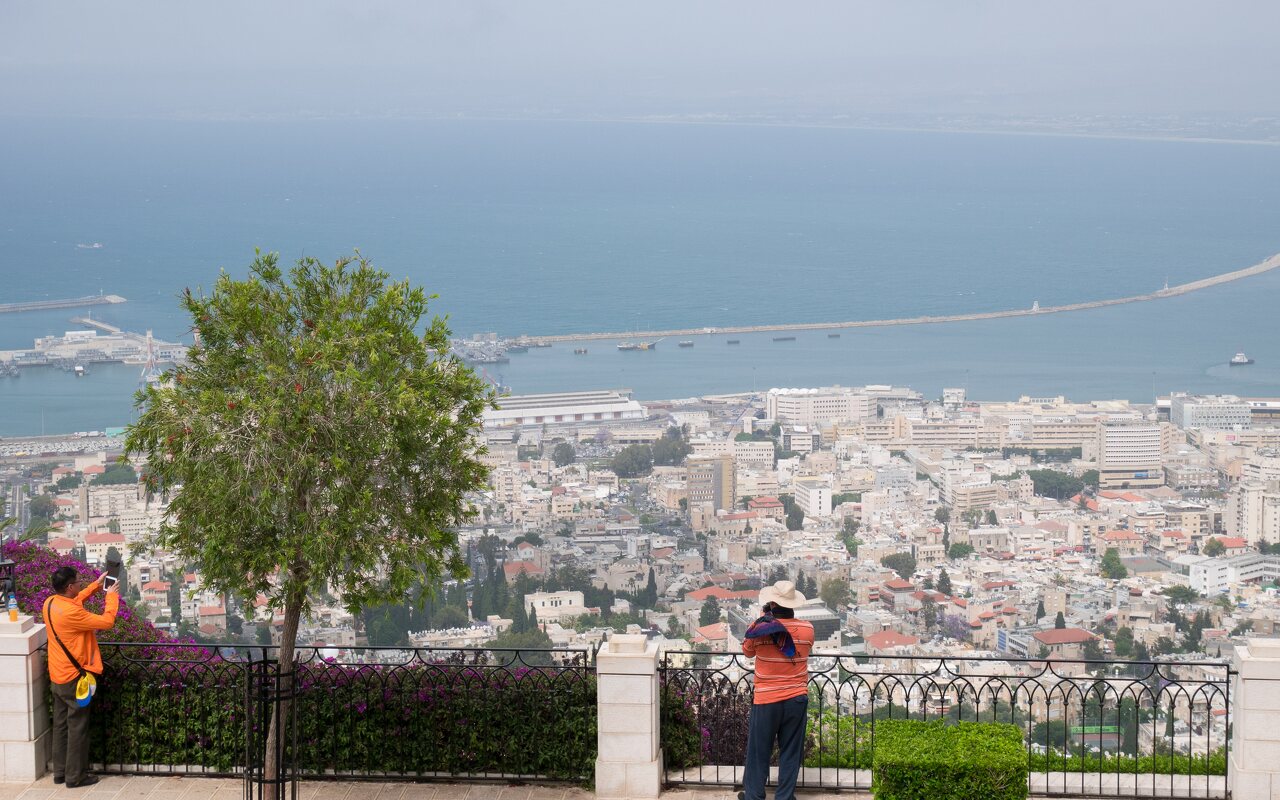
x,y
546,227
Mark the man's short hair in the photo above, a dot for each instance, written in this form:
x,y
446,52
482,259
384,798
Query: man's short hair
x,y
62,578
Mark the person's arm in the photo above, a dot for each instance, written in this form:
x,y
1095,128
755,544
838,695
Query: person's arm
x,y
76,618
89,591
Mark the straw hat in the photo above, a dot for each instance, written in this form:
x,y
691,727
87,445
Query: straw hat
x,y
783,593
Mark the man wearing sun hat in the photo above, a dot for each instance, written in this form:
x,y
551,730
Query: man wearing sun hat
x,y
780,644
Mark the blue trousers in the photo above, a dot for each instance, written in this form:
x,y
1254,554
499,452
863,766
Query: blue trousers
x,y
782,722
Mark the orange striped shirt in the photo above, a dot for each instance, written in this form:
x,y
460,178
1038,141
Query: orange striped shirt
x,y
778,677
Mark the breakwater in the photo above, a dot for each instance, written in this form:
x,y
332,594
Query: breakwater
x,y
74,302
1036,310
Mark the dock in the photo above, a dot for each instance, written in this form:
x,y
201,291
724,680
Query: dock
x,y
1034,311
75,302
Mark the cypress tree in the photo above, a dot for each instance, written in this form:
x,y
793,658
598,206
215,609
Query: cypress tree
x,y
533,619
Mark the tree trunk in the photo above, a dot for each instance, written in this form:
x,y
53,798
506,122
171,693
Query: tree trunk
x,y
280,711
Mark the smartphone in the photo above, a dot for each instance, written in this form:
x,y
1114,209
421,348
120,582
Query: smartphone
x,y
108,581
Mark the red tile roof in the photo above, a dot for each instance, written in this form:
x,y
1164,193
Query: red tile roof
x,y
1063,636
886,639
898,584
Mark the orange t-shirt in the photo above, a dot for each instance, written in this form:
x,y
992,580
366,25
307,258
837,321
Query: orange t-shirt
x,y
76,626
778,677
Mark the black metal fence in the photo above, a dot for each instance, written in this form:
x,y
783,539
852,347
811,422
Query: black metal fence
x,y
1092,729
366,713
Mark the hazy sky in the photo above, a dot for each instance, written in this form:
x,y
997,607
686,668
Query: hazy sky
x,y
170,58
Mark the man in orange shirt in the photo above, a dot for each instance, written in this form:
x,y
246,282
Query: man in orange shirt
x,y
68,621
780,644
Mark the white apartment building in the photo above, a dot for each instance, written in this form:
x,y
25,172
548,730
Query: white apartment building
x,y
1253,511
1217,412
753,455
565,407
1130,454
818,407
707,446
813,496
556,606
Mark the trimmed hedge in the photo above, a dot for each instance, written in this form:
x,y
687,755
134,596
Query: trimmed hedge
x,y
932,761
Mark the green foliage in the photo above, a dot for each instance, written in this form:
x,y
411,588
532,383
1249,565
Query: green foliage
x,y
633,461
846,497
1213,548
1178,593
314,437
1112,567
1090,478
563,454
116,475
67,482
671,449
965,761
958,551
1059,621
992,519
835,593
42,507
1214,763
944,582
795,517
1124,642
902,563
1052,483
709,613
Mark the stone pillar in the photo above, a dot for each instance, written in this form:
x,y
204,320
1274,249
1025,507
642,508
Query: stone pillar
x,y
24,717
629,761
1255,721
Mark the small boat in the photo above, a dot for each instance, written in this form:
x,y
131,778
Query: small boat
x,y
1240,360
833,336
579,351
628,346
733,341
94,246
79,370
784,338
517,348
648,345
686,343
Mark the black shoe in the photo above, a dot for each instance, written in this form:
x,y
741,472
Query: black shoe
x,y
742,796
88,781
59,780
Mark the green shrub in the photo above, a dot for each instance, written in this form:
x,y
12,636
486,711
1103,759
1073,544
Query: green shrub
x,y
1214,763
932,761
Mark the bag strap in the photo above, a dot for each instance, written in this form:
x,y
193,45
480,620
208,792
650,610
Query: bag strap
x,y
48,621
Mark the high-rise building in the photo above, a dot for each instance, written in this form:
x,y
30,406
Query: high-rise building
x,y
818,407
1130,454
1215,412
813,496
711,483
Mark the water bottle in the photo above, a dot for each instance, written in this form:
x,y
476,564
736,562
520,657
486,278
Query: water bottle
x,y
13,607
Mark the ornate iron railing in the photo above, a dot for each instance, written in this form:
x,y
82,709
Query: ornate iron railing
x,y
1092,728
367,713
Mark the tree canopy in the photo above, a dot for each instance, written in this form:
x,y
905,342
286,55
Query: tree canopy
x,y
1112,567
563,454
633,461
1213,548
902,563
1052,483
314,438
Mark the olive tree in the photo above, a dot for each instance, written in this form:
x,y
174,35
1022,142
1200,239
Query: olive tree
x,y
313,439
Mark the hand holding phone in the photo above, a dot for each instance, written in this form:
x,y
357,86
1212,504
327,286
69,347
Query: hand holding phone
x,y
110,584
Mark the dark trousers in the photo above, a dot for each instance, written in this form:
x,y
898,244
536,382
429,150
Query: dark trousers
x,y
70,734
782,722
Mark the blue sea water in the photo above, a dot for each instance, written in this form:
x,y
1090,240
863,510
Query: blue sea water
x,y
553,227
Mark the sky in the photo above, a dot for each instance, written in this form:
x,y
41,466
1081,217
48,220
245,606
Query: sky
x,y
157,58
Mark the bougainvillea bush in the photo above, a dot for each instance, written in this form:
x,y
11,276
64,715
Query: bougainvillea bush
x,y
164,702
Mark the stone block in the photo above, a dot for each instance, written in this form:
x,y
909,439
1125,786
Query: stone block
x,y
24,624
627,747
643,664
16,726
1255,752
644,781
627,689
1245,783
620,718
25,761
23,644
1257,695
628,643
611,779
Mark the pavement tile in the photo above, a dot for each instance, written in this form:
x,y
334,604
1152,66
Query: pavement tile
x,y
420,791
546,792
11,791
37,794
335,791
513,793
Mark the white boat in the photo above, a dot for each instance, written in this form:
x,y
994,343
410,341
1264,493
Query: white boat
x,y
79,370
1240,360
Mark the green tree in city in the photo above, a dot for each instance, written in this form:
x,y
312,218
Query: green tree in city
x,y
958,551
671,449
1052,483
1090,478
314,437
1178,593
1213,548
991,518
633,461
944,582
709,613
263,635
902,563
1040,612
1059,621
116,475
835,593
1112,567
1124,641
42,507
563,454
